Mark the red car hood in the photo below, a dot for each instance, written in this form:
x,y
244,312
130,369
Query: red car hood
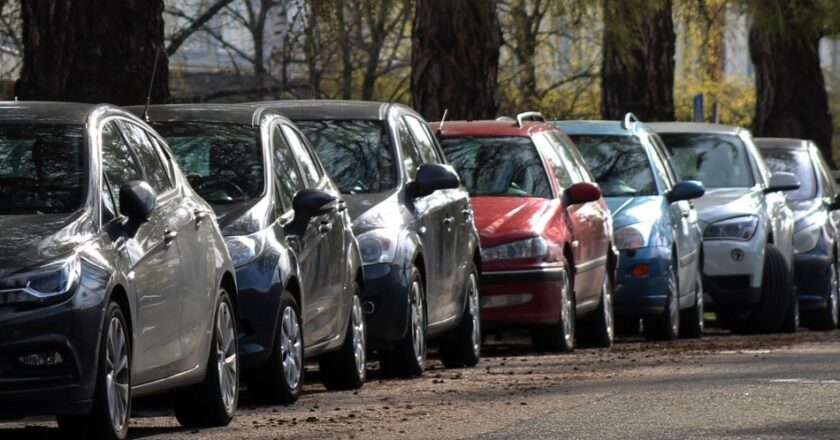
x,y
505,219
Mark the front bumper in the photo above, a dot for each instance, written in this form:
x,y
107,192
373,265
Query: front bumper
x,y
71,328
259,292
647,294
732,270
520,298
385,299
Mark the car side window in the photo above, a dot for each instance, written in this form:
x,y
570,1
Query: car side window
x,y
107,197
424,141
150,161
664,157
829,189
311,173
411,156
561,169
118,163
286,169
660,168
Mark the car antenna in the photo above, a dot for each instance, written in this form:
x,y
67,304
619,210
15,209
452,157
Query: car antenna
x,y
442,120
151,86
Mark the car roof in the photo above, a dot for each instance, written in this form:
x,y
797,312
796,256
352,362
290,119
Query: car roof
x,y
325,109
592,127
43,112
218,113
492,128
693,127
781,144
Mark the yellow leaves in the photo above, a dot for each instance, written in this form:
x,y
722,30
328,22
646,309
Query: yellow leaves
x,y
735,98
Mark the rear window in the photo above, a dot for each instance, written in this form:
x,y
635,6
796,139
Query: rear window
x,y
498,166
619,164
717,160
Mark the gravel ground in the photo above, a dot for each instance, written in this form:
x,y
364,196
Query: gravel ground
x,y
511,387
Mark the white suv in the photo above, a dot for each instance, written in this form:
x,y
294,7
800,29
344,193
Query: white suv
x,y
747,226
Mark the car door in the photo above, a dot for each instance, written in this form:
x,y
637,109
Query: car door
x,y
310,243
454,249
434,228
828,191
197,268
154,264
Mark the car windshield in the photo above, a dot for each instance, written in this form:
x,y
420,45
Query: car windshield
x,y
357,154
223,162
717,160
797,162
43,168
619,163
498,166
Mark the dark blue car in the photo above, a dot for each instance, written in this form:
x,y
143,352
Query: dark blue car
x,y
655,227
815,210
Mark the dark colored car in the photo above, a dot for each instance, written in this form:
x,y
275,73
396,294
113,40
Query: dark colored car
x,y
414,224
114,283
297,262
656,227
816,220
546,233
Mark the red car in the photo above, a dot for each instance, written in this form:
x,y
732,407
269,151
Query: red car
x,y
548,262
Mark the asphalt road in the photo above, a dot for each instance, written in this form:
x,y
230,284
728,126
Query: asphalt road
x,y
775,386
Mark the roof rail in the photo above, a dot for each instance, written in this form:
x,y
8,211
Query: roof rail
x,y
504,119
529,116
628,119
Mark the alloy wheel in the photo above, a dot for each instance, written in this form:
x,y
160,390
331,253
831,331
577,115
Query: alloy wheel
x,y
833,296
359,336
673,304
566,310
418,323
472,299
608,307
291,348
117,373
700,305
226,361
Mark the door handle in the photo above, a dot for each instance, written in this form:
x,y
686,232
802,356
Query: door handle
x,y
342,206
448,222
294,242
467,213
169,235
324,227
686,214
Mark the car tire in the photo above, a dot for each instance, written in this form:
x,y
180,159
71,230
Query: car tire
x,y
559,337
111,410
346,369
280,379
462,347
827,318
408,358
692,321
213,401
776,294
665,326
791,322
597,330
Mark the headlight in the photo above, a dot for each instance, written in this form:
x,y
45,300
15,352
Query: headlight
x,y
378,246
738,228
807,238
244,249
632,236
47,283
529,248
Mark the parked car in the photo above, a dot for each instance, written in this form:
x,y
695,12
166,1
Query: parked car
x,y
659,277
414,224
815,245
113,283
747,226
297,262
548,261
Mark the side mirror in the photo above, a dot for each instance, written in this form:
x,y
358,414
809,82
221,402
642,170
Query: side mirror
x,y
580,193
782,181
137,201
432,177
309,203
833,204
686,190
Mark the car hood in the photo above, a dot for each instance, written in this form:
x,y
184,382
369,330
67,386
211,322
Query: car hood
x,y
722,203
242,218
373,211
30,240
804,208
631,210
505,219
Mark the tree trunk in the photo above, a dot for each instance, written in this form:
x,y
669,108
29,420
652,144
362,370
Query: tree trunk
x,y
455,59
791,99
637,74
93,51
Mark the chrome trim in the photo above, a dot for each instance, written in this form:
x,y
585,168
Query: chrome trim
x,y
591,264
